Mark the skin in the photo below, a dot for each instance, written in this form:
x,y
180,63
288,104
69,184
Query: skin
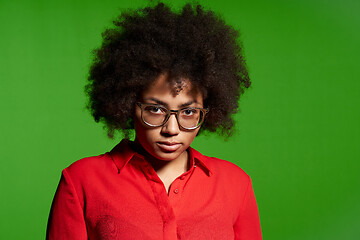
x,y
165,147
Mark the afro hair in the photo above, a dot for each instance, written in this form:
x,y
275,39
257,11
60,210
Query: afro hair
x,y
192,43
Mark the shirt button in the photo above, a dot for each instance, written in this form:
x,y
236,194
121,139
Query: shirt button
x,y
182,177
176,191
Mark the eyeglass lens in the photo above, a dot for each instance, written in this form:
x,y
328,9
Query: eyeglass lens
x,y
156,115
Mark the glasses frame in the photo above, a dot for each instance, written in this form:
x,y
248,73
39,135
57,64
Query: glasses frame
x,y
168,114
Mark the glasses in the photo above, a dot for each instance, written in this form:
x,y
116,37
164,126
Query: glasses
x,y
155,115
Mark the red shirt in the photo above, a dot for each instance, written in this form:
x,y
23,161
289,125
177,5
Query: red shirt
x,y
118,195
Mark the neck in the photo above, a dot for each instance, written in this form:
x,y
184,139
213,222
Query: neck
x,y
178,165
169,170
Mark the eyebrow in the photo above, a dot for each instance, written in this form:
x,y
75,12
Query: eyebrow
x,y
166,105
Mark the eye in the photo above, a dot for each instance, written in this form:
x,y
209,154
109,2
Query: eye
x,y
154,109
189,112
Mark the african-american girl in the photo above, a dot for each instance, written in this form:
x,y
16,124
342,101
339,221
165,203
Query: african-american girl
x,y
167,75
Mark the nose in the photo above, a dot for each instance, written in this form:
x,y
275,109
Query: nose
x,y
171,127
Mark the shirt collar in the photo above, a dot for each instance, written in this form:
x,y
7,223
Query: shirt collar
x,y
122,153
199,160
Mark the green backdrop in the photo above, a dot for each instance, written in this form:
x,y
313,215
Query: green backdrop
x,y
297,133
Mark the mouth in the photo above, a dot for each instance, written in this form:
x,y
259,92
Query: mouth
x,y
168,146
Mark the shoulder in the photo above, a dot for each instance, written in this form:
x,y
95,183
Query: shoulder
x,y
90,166
100,167
230,180
226,168
222,168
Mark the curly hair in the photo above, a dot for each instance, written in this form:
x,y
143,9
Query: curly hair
x,y
193,43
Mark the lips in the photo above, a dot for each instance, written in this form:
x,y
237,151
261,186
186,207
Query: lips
x,y
168,146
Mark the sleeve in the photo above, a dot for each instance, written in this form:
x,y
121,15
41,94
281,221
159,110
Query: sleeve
x,y
66,219
247,225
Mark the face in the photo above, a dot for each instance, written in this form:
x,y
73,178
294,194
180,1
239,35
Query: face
x,y
170,141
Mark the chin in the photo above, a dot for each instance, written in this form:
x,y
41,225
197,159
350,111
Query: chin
x,y
166,156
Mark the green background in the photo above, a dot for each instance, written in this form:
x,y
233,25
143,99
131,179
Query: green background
x,y
297,133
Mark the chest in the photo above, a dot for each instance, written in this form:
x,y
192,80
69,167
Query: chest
x,y
138,207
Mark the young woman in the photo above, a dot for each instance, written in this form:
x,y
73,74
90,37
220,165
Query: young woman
x,y
169,76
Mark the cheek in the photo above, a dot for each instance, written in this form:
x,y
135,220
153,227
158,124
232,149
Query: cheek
x,y
140,129
190,136
144,134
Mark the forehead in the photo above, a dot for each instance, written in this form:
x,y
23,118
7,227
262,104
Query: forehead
x,y
172,89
